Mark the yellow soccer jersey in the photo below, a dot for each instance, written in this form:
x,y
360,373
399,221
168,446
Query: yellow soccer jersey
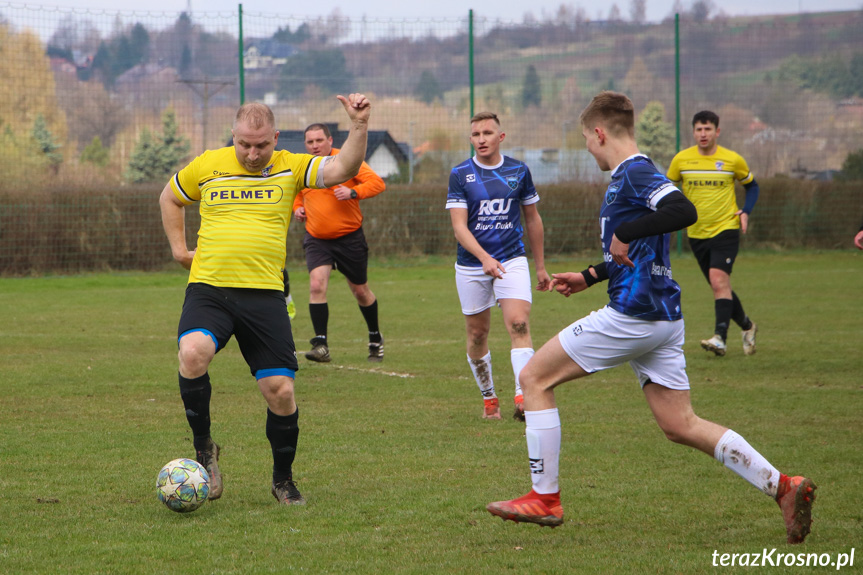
x,y
708,182
244,216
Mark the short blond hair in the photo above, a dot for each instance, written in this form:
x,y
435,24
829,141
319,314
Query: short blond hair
x,y
485,116
613,110
256,115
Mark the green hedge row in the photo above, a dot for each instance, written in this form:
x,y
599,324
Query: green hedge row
x,y
104,228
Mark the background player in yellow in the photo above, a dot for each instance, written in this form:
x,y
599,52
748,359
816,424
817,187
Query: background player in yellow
x,y
235,287
707,173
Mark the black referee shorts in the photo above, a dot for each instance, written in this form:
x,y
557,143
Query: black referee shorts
x,y
718,252
349,254
257,318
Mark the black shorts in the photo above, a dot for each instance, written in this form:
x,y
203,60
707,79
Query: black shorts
x,y
718,252
349,254
257,318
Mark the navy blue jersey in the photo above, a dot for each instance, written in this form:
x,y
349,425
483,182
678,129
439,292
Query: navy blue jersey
x,y
492,196
646,291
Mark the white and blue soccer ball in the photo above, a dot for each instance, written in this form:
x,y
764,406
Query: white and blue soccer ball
x,y
183,485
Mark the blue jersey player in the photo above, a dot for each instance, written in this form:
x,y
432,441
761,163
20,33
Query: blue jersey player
x,y
642,324
486,198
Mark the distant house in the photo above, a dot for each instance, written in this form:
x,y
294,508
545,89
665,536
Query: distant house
x,y
264,53
383,154
553,165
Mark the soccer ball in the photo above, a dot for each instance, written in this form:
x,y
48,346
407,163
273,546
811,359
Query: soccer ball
x,y
183,485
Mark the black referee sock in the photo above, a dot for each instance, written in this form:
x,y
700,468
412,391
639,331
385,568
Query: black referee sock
x,y
196,399
738,315
283,432
723,309
320,314
370,313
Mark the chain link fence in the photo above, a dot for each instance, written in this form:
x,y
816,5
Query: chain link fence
x,y
99,108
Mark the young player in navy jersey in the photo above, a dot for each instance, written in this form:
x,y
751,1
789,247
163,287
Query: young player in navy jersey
x,y
642,324
486,198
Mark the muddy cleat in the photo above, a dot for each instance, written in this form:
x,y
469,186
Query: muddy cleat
x,y
715,344
795,498
518,414
209,458
491,409
376,351
292,309
543,510
319,352
749,339
286,493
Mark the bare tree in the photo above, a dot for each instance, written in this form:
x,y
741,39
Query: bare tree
x,y
638,11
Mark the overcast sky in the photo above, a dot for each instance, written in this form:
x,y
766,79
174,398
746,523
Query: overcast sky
x,y
510,10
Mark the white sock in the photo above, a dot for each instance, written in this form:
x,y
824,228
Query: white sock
x,y
481,369
737,455
519,358
543,448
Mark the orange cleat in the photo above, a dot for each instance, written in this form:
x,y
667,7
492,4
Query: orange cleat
x,y
543,510
518,414
491,410
795,497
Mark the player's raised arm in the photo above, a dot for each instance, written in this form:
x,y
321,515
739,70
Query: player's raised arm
x,y
347,163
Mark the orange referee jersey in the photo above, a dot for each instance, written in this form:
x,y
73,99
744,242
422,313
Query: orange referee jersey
x,y
328,217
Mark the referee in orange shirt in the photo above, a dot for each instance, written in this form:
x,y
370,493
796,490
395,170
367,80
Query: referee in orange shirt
x,y
334,240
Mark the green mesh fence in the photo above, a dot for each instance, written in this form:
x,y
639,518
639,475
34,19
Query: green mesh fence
x,y
98,109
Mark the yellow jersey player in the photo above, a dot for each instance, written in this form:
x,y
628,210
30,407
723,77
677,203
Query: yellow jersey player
x,y
235,288
706,173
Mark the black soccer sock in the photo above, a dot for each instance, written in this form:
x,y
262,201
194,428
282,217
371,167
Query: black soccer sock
x,y
320,314
196,399
723,309
287,282
738,315
370,313
283,431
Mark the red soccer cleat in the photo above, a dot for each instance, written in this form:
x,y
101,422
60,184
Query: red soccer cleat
x,y
543,510
795,497
518,414
491,409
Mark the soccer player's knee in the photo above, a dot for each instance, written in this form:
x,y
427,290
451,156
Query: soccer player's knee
x,y
519,328
477,336
194,359
528,379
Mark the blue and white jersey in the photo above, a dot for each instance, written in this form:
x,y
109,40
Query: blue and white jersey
x,y
492,196
646,291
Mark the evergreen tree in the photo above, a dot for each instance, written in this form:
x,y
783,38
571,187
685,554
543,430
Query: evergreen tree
x,y
654,135
156,156
45,141
428,90
852,167
326,69
95,153
531,92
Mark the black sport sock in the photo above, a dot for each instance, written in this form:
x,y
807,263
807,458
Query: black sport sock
x,y
738,315
283,432
320,314
723,309
370,313
196,399
287,282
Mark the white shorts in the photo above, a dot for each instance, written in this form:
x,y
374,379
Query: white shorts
x,y
607,338
478,291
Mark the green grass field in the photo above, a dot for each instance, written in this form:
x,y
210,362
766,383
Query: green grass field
x,y
395,461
